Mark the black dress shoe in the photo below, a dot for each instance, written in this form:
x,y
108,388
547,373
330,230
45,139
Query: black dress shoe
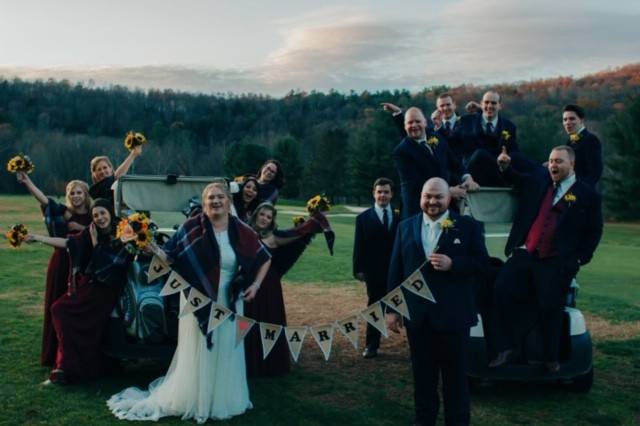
x,y
552,367
369,353
502,358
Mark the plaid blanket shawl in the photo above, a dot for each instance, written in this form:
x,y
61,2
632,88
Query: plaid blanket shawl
x,y
196,256
53,214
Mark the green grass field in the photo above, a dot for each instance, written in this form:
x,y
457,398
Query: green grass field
x,y
346,390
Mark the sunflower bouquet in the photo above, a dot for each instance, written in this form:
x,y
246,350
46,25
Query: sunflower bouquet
x,y
20,163
16,235
319,203
134,140
297,220
136,232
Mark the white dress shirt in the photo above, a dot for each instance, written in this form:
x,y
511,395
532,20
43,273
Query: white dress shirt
x,y
564,188
431,230
378,211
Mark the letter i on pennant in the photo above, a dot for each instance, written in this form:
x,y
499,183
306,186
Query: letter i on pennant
x,y
374,316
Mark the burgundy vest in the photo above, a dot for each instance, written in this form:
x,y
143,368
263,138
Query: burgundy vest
x,y
541,238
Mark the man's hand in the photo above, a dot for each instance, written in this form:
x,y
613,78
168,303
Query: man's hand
x,y
360,276
504,161
472,107
387,106
393,322
440,262
470,185
458,192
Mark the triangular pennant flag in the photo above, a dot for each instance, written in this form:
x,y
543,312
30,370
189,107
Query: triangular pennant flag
x,y
195,301
157,268
324,337
174,284
295,337
395,300
374,316
416,284
217,316
349,327
269,334
243,325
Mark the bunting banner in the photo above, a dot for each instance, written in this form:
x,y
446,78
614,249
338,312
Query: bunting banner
x,y
416,284
175,283
195,301
349,328
324,337
295,337
157,268
395,300
269,334
217,316
374,316
243,326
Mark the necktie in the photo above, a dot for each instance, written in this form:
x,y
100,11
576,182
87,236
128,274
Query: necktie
x,y
489,128
556,188
426,145
385,219
447,126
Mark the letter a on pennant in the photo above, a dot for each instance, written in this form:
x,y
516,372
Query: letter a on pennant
x,y
269,334
217,316
324,337
395,300
195,301
374,316
243,325
157,268
416,284
295,337
174,284
349,327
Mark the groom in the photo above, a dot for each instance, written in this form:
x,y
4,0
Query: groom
x,y
454,250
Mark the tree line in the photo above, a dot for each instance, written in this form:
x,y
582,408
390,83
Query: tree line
x,y
333,143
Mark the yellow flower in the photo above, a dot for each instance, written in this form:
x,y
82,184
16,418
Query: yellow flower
x,y
570,197
447,224
506,135
318,203
16,235
433,141
574,137
20,163
297,220
133,140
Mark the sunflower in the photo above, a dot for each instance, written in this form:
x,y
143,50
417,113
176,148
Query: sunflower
x,y
20,163
16,235
318,203
133,140
297,220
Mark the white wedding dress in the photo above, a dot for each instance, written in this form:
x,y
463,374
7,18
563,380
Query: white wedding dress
x,y
201,384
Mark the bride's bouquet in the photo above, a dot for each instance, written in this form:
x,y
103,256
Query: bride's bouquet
x,y
20,163
136,232
134,140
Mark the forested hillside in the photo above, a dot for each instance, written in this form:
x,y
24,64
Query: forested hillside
x,y
333,142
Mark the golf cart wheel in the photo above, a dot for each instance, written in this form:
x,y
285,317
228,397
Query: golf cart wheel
x,y
583,383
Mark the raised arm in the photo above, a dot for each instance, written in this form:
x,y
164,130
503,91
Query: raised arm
x,y
126,164
24,179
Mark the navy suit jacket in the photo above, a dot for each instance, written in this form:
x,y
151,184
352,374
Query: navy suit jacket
x,y
579,226
372,246
453,290
416,165
588,157
472,136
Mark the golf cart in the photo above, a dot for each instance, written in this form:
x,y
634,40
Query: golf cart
x,y
144,325
496,207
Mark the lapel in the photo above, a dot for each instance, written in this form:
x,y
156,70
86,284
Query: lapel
x,y
417,237
564,205
421,153
446,237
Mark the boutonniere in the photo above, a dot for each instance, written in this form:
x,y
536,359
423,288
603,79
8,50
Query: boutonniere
x,y
505,135
574,137
433,141
447,224
396,212
570,198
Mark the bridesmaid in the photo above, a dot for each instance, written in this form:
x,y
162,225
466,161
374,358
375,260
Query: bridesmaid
x,y
246,200
103,176
270,180
61,221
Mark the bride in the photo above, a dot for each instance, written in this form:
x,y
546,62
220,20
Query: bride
x,y
207,376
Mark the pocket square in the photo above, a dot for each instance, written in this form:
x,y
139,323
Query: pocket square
x,y
457,241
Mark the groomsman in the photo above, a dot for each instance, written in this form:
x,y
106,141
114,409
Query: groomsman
x,y
557,228
375,232
438,333
422,155
482,136
585,144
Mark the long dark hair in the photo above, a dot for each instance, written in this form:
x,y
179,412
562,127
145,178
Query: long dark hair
x,y
278,180
238,200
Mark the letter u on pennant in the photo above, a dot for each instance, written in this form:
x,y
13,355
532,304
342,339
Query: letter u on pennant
x,y
174,284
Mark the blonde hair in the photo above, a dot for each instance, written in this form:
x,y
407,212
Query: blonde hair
x,y
84,187
94,163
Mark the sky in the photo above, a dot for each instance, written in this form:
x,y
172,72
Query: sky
x,y
273,47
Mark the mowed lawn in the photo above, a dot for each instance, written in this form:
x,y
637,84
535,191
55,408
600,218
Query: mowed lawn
x,y
346,389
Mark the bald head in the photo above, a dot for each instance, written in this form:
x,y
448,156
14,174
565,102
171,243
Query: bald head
x,y
414,123
435,197
491,105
